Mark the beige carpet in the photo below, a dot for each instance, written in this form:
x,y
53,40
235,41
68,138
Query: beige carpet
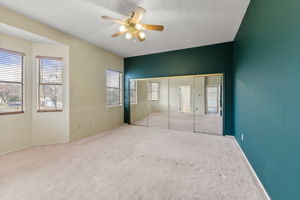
x,y
131,163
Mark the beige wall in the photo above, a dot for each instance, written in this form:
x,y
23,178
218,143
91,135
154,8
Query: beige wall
x,y
50,127
88,112
15,130
18,131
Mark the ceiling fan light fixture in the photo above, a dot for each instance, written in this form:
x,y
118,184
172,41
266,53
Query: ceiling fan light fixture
x,y
132,26
122,28
128,36
138,26
142,35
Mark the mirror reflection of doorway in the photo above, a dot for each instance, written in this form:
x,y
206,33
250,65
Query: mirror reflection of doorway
x,y
190,103
180,104
185,98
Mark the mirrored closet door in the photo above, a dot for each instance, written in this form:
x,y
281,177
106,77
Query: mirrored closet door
x,y
208,105
158,103
191,103
139,107
181,103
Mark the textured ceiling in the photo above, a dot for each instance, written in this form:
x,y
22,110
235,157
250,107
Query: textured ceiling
x,y
188,23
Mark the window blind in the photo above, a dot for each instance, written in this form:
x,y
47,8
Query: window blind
x,y
50,83
113,87
154,91
11,81
50,70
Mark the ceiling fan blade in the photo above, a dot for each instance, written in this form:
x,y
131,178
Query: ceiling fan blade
x,y
118,33
113,20
138,14
150,27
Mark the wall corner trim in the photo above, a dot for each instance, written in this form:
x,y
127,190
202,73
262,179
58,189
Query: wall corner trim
x,y
254,175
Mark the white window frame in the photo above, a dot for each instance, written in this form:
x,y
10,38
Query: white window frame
x,y
17,83
38,58
120,88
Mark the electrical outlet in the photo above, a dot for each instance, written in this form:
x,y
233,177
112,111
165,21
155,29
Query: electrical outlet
x,y
242,137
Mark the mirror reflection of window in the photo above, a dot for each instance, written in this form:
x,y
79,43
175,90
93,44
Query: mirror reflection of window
x,y
153,91
133,91
212,99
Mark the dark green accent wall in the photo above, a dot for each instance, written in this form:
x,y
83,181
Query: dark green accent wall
x,y
266,94
201,60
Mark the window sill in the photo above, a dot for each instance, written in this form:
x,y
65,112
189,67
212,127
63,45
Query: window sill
x,y
12,113
43,111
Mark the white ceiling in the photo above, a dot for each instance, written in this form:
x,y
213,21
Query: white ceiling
x,y
19,33
188,23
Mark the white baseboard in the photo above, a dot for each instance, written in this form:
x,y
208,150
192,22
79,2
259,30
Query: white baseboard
x,y
254,175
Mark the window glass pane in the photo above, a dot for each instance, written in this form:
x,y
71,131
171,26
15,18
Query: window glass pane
x,y
11,85
212,110
10,97
113,96
114,86
50,86
132,84
132,96
155,87
113,79
133,91
10,67
212,89
154,96
50,97
212,100
50,70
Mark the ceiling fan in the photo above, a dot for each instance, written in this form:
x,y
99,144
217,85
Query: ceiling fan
x,y
132,26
